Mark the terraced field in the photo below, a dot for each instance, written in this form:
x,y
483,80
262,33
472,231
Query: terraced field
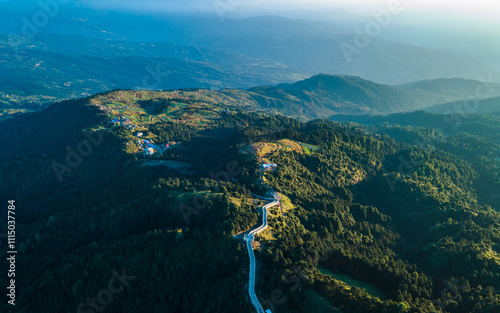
x,y
14,104
145,107
264,150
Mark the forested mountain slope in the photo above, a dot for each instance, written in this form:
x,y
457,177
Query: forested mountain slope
x,y
356,228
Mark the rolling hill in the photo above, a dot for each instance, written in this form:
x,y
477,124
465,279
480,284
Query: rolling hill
x,y
325,94
317,97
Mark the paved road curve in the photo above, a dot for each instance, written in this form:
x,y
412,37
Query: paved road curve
x,y
249,239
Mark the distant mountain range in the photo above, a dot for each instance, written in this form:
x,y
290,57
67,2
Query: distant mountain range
x,y
468,106
317,97
82,52
324,95
53,65
305,47
457,88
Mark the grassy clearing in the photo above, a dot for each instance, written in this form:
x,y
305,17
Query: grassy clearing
x,y
309,148
266,235
286,204
350,282
320,304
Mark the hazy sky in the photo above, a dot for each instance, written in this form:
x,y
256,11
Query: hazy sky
x,y
478,8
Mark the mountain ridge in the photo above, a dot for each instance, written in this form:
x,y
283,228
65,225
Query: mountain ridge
x,y
319,96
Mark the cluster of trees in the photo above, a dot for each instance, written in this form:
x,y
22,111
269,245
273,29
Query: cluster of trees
x,y
410,221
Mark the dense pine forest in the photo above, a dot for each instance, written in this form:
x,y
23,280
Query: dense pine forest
x,y
386,216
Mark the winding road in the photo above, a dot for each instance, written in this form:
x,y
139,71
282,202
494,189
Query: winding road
x,y
249,239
